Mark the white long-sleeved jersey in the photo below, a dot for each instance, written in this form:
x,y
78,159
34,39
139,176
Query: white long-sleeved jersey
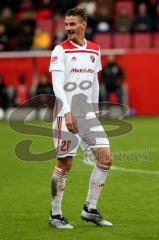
x,y
74,72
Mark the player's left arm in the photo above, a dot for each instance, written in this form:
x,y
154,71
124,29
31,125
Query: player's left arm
x,y
95,94
95,87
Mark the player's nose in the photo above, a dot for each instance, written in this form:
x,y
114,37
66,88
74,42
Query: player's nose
x,y
68,29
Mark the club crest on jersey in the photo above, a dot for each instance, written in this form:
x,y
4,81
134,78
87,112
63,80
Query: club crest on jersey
x,y
92,58
74,58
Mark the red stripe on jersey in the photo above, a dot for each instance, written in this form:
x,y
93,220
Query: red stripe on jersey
x,y
59,124
81,51
92,45
55,109
67,45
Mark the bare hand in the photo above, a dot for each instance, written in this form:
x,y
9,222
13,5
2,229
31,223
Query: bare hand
x,y
71,123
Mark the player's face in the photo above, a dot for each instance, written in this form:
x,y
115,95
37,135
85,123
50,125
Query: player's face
x,y
75,28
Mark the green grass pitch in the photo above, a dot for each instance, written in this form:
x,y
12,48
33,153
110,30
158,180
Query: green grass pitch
x,y
130,199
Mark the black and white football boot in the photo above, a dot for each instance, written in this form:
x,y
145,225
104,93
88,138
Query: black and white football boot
x,y
94,216
58,221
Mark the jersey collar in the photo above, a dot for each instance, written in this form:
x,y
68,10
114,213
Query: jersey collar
x,y
78,46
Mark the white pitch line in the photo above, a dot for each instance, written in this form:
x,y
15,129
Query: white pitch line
x,y
137,150
121,169
90,162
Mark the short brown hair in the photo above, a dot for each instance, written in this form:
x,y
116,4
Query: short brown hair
x,y
80,12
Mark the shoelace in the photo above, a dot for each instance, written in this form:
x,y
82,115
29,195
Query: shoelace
x,y
64,220
96,212
61,219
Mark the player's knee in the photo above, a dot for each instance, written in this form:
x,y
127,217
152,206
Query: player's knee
x,y
106,161
68,164
65,163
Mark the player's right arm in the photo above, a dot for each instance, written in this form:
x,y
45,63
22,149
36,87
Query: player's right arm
x,y
95,94
57,69
58,83
95,86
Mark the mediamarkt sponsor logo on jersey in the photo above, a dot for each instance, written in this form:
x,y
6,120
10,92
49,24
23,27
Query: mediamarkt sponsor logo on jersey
x,y
82,70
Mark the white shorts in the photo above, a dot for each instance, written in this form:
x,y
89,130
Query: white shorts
x,y
91,136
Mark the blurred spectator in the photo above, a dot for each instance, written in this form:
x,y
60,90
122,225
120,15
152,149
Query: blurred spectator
x,y
25,29
44,9
102,20
3,94
25,6
27,17
24,37
14,5
7,17
156,22
11,96
21,91
149,3
44,87
123,23
143,21
41,39
4,39
112,80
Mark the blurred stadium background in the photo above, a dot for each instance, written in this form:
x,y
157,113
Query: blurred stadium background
x,y
126,29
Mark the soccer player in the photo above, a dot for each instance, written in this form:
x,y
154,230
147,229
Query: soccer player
x,y
74,65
